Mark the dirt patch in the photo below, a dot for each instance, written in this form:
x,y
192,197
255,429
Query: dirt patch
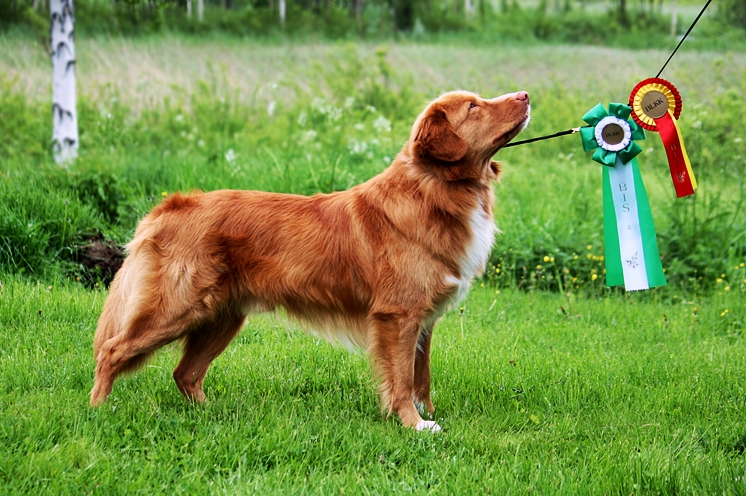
x,y
99,259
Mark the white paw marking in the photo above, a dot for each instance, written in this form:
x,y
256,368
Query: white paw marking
x,y
427,425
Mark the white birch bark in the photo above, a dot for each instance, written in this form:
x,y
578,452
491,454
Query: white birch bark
x,y
189,9
65,116
282,13
201,10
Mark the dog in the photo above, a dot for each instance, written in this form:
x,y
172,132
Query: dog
x,y
374,266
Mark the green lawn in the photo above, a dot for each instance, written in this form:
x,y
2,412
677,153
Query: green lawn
x,y
581,391
626,394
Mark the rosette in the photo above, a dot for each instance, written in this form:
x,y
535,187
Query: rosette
x,y
611,134
630,246
656,106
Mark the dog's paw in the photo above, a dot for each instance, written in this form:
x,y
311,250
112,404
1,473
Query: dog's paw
x,y
427,425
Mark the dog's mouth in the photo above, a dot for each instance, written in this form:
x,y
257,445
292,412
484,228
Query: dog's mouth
x,y
505,138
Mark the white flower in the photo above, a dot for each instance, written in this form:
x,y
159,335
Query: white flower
x,y
230,155
371,108
357,147
308,136
334,113
349,102
318,104
179,118
382,124
359,126
737,140
302,118
271,108
201,143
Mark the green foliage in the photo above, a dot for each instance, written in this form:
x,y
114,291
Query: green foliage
x,y
733,12
575,21
348,115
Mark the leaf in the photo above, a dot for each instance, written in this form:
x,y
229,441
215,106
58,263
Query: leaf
x,y
534,419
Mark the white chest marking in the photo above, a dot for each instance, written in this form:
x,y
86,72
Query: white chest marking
x,y
477,252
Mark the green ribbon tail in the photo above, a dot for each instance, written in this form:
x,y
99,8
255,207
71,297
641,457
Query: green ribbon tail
x,y
653,264
612,251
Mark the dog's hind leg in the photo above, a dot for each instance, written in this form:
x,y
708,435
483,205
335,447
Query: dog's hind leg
x,y
421,392
201,347
129,350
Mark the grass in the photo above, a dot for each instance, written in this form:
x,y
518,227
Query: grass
x,y
535,392
581,390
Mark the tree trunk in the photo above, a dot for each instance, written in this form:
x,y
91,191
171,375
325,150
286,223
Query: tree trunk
x,y
282,13
189,8
200,10
623,12
674,19
65,118
359,15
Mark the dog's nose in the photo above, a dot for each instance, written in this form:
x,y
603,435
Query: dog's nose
x,y
522,96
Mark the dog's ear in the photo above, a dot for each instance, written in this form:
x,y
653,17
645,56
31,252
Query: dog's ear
x,y
436,139
494,171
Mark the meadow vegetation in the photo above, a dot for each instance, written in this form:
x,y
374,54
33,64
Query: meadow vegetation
x,y
545,380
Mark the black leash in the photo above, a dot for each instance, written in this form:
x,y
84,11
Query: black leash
x,y
577,129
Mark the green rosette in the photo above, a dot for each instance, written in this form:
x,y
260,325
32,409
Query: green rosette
x,y
630,245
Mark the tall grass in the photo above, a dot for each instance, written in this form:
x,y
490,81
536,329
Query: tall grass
x,y
337,122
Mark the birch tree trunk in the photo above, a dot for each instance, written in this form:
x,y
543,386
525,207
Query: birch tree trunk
x,y
189,9
200,10
65,117
282,13
674,19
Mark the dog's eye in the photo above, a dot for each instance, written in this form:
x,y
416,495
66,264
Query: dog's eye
x,y
472,105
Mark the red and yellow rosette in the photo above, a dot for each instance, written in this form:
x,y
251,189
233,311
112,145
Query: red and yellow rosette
x,y
656,105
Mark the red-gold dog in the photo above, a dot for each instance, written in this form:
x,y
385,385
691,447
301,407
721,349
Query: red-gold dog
x,y
375,266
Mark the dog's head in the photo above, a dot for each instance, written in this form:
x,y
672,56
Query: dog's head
x,y
457,134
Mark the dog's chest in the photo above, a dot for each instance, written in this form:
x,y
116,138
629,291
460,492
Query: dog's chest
x,y
474,261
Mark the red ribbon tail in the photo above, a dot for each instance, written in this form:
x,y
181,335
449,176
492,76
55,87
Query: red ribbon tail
x,y
675,152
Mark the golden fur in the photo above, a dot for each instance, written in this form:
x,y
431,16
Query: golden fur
x,y
374,266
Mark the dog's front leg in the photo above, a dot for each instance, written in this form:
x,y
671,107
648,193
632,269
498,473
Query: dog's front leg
x,y
422,371
393,340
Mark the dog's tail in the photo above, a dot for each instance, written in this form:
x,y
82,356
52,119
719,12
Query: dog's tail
x,y
122,295
111,322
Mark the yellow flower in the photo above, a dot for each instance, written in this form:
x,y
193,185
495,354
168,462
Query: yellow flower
x,y
722,275
538,267
574,257
718,280
589,256
594,277
724,312
727,288
546,258
589,247
551,259
741,264
497,270
164,193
